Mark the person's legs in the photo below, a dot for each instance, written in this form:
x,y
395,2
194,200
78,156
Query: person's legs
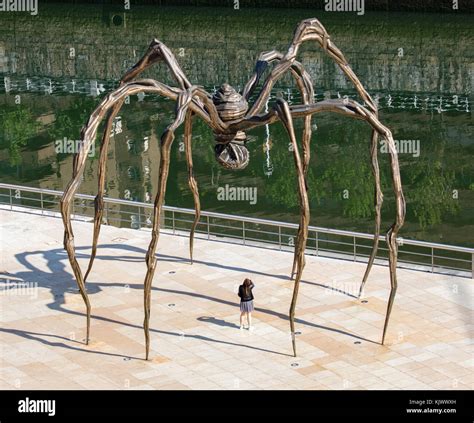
x,y
241,320
249,319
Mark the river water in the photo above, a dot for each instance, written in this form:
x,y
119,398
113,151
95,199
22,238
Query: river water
x,y
57,66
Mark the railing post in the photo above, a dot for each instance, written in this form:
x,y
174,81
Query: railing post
x,y
243,232
208,234
41,200
355,247
11,199
279,237
173,222
317,242
472,266
432,259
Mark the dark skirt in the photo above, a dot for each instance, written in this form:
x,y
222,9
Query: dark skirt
x,y
246,306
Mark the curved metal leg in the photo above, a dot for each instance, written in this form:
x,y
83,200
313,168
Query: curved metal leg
x,y
354,110
311,29
166,141
99,199
283,111
156,52
69,246
305,86
378,200
88,134
191,179
307,30
392,233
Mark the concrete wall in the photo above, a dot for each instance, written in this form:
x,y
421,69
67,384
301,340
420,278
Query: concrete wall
x,y
464,6
213,45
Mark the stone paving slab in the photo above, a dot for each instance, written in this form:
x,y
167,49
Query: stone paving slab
x,y
195,339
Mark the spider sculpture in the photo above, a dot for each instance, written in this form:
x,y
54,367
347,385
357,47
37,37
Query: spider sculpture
x,y
229,115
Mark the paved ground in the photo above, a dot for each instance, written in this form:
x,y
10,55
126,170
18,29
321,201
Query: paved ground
x,y
196,342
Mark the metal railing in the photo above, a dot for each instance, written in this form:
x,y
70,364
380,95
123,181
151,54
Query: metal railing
x,y
355,246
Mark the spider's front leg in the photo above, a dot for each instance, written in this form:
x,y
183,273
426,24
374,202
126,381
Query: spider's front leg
x,y
166,141
305,86
313,30
284,114
355,110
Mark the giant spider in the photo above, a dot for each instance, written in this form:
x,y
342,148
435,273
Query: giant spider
x,y
229,116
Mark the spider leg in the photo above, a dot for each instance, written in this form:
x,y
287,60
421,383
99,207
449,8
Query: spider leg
x,y
284,113
391,236
312,29
392,233
309,29
156,52
305,86
99,199
191,179
88,135
378,200
166,141
355,110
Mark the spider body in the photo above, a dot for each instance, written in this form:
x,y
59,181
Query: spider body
x,y
230,116
230,149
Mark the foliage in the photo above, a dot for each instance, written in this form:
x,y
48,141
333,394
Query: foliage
x,y
17,126
431,192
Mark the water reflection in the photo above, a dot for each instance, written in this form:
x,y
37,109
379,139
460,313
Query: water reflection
x,y
45,98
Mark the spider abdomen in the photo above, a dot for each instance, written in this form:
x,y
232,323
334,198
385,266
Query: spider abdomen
x,y
230,150
229,103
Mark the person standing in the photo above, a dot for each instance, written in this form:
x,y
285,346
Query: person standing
x,y
246,302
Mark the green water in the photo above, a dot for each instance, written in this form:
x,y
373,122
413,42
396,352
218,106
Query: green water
x,y
420,67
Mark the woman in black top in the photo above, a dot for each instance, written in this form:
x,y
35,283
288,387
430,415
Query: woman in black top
x,y
246,302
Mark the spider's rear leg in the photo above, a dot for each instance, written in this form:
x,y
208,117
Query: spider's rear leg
x,y
392,233
191,179
69,246
378,200
156,52
99,199
284,113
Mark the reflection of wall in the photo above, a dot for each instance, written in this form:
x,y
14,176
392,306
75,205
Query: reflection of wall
x,y
40,164
89,184
222,44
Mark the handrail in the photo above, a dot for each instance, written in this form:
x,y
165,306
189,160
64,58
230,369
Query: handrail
x,y
245,219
